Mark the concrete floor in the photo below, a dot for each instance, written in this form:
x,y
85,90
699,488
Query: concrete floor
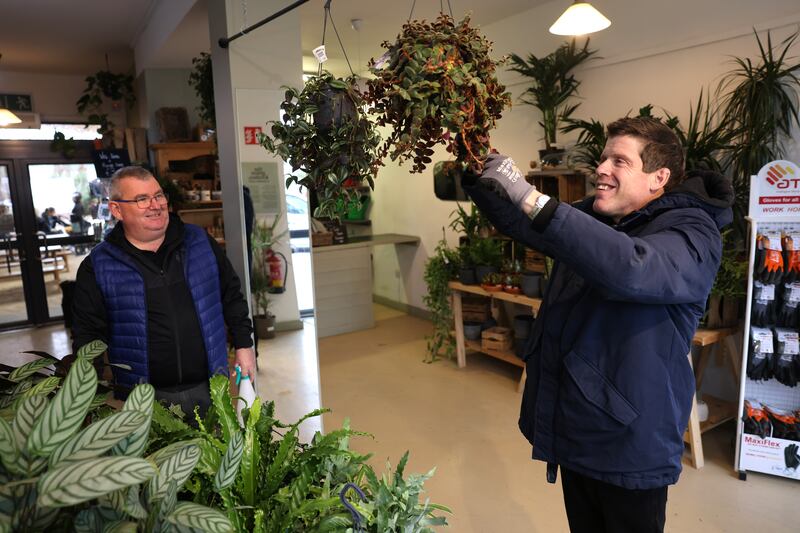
x,y
463,422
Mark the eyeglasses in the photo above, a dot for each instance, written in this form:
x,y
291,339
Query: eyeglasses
x,y
143,202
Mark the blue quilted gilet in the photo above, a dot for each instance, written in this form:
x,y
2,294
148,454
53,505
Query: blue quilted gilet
x,y
124,292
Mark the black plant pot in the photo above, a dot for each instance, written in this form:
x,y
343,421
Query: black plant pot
x,y
335,108
483,270
519,348
551,157
531,285
472,331
467,276
522,326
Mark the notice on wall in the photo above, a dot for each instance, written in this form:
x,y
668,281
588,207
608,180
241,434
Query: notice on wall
x,y
775,191
108,161
264,181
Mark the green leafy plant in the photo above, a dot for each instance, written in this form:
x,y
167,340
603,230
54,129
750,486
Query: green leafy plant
x,y
101,87
266,480
486,251
552,84
760,101
327,139
202,81
441,268
731,277
493,278
472,224
436,84
69,463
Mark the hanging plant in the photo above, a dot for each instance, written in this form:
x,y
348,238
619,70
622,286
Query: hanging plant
x,y
327,139
437,85
202,81
101,87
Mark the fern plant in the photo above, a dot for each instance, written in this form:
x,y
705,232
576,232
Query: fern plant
x,y
266,480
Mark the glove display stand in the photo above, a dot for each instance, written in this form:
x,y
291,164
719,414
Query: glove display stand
x,y
768,430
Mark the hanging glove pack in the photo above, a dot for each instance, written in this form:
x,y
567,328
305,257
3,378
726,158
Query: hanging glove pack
x,y
759,366
791,257
756,421
786,360
762,312
788,308
769,267
784,424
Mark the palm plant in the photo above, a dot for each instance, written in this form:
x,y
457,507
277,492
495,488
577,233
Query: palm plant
x,y
761,103
552,84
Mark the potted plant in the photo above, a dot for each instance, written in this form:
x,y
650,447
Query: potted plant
x,y
552,85
436,84
441,268
492,282
486,255
328,141
202,81
101,88
265,238
472,225
730,285
511,283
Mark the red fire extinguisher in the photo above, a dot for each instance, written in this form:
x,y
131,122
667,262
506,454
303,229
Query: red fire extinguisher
x,y
277,272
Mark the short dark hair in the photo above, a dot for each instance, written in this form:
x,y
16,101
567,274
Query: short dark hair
x,y
661,147
138,173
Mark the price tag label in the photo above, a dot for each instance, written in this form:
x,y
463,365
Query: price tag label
x,y
772,241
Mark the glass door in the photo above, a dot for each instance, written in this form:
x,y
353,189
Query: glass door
x,y
47,227
12,296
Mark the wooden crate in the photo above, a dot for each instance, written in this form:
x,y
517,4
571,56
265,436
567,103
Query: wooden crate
x,y
321,239
534,261
497,338
475,309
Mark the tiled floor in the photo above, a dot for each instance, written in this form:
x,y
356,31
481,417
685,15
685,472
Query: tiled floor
x,y
463,422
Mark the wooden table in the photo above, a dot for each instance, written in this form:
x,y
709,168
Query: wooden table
x,y
457,288
719,411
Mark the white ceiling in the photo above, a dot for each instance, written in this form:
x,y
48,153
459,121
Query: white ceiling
x,y
74,36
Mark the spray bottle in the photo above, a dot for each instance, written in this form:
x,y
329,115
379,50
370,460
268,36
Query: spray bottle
x,y
247,393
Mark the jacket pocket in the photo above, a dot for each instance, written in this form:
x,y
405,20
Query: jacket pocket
x,y
598,391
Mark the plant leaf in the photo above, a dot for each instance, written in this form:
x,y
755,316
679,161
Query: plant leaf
x,y
250,456
177,467
91,350
83,481
221,399
98,437
141,400
63,416
229,466
8,447
199,517
29,369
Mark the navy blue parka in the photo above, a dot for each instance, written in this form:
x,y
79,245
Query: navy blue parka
x,y
609,385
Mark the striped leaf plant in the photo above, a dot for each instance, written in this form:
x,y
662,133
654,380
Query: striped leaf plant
x,y
68,462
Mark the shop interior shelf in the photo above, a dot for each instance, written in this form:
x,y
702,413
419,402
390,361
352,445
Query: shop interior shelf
x,y
506,356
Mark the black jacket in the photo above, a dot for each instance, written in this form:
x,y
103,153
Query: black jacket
x,y
177,354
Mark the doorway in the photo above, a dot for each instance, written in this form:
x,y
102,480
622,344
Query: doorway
x,y
40,248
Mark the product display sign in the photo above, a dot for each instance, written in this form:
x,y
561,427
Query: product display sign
x,y
775,191
265,183
106,162
770,456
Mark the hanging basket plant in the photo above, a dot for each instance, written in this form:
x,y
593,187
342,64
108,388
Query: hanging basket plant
x,y
437,85
327,139
105,86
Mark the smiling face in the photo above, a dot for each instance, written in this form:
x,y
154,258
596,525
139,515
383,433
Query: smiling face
x,y
144,228
622,184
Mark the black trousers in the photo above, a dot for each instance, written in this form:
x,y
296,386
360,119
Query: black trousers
x,y
187,397
597,507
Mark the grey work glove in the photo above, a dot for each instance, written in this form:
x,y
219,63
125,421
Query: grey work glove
x,y
501,175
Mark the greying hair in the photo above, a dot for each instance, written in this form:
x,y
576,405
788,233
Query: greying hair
x,y
138,173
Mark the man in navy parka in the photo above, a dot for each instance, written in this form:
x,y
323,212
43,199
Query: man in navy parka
x,y
609,386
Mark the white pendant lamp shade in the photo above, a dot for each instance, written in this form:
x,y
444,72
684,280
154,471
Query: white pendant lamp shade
x,y
7,117
579,19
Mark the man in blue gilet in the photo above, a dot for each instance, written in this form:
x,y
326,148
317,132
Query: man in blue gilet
x,y
160,293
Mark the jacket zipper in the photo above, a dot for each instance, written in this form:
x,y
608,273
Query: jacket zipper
x,y
175,333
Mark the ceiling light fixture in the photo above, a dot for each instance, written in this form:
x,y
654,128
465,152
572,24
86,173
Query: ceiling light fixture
x,y
579,19
7,117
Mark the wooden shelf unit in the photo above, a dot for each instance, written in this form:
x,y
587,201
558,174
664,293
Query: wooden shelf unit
x,y
163,153
567,184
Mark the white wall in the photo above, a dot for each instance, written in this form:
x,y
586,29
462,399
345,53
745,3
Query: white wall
x,y
167,88
655,52
54,95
